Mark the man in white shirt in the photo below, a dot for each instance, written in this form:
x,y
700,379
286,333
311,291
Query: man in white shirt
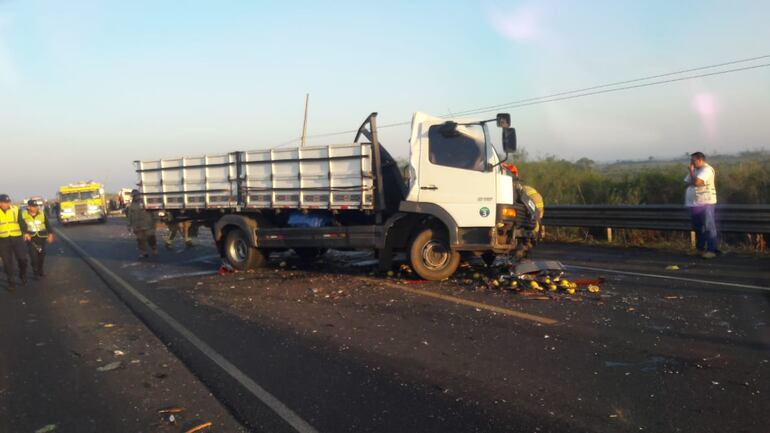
x,y
701,198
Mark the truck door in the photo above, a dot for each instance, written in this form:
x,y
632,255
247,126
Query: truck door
x,y
453,170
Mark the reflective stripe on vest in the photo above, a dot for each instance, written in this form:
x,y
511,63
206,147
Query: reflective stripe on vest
x,y
35,224
9,223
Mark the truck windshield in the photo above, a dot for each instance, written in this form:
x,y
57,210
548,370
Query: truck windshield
x,y
83,195
465,149
494,143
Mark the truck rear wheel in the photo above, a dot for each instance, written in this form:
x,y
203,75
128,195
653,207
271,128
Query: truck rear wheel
x,y
239,252
431,257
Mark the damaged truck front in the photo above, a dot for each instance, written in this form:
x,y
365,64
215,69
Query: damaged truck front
x,y
458,198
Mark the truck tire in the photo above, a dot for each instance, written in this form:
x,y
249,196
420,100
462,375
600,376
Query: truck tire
x,y
430,255
240,254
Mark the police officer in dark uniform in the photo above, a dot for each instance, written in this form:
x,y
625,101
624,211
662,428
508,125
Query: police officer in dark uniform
x,y
37,232
11,242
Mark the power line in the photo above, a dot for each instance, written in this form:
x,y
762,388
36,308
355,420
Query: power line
x,y
579,93
617,89
617,83
332,134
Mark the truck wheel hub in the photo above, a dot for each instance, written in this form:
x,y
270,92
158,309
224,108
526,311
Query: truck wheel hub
x,y
239,250
435,255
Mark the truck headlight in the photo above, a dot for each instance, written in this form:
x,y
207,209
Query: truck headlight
x,y
508,212
92,208
68,210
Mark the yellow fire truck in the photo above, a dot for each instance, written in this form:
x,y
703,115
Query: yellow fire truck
x,y
83,201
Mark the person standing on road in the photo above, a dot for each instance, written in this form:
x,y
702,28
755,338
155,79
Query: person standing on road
x,y
176,227
11,242
142,223
37,232
701,198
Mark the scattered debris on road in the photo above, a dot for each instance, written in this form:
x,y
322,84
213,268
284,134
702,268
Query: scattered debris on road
x,y
46,429
110,367
525,278
171,415
225,268
173,409
199,427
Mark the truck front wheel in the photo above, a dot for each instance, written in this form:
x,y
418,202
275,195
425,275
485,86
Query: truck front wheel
x,y
239,252
431,257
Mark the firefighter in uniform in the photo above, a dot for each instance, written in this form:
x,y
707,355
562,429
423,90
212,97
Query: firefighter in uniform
x,y
175,228
142,224
11,242
539,206
37,232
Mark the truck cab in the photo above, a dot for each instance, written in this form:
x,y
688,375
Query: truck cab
x,y
456,177
81,202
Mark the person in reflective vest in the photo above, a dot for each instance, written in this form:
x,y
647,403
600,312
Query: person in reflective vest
x,y
11,242
37,232
531,192
539,205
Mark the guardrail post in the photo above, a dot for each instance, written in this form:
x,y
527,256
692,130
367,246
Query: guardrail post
x,y
692,240
609,234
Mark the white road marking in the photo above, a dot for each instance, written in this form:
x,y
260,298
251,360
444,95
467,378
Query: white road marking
x,y
478,305
212,258
671,277
283,411
183,275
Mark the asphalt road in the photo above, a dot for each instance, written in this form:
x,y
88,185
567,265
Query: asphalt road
x,y
329,347
75,359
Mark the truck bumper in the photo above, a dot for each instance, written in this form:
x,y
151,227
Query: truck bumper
x,y
66,219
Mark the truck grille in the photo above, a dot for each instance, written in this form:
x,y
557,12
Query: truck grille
x,y
81,209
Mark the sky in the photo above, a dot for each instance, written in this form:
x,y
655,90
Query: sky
x,y
88,87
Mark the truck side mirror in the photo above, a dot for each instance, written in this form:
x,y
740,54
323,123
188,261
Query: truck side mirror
x,y
509,140
503,120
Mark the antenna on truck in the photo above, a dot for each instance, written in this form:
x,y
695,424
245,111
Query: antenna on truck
x,y
304,123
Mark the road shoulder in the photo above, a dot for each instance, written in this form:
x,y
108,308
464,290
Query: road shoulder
x,y
81,361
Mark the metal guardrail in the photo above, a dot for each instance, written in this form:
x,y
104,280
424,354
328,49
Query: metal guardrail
x,y
730,218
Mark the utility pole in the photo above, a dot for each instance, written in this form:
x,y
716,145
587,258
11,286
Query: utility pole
x,y
304,124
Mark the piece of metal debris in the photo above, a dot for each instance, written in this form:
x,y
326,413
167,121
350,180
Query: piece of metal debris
x,y
199,427
111,366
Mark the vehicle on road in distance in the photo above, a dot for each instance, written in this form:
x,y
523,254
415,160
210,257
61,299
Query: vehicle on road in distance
x,y
38,199
81,202
125,196
458,200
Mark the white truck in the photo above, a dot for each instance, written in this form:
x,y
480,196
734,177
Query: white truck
x,y
458,198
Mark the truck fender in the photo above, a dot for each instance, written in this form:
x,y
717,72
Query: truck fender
x,y
245,223
396,230
435,211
